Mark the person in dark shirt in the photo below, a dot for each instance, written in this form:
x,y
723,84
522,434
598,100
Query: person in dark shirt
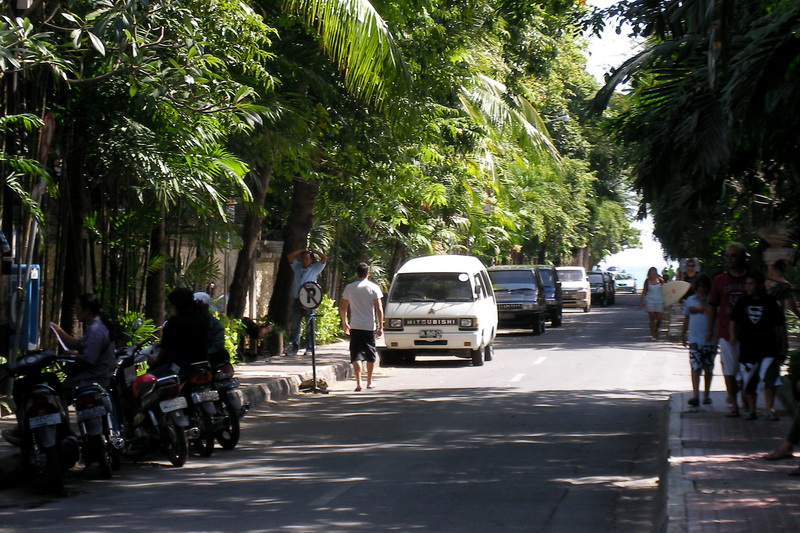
x,y
185,337
756,326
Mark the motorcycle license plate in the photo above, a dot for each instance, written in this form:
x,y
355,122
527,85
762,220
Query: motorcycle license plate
x,y
173,405
205,396
44,420
92,412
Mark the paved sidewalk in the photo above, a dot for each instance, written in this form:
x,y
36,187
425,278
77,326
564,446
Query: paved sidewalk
x,y
717,480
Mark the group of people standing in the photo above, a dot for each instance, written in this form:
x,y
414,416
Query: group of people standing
x,y
734,314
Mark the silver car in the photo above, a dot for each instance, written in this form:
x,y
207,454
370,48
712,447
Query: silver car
x,y
625,282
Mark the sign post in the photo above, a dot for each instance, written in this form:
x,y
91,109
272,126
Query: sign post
x,y
309,297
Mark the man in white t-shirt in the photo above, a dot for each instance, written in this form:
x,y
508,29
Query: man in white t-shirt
x,y
363,299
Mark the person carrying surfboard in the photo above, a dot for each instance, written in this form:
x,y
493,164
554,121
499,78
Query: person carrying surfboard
x,y
652,301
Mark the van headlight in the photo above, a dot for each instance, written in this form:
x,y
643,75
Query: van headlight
x,y
467,323
395,323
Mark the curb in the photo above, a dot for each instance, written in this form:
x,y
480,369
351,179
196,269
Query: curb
x,y
281,388
677,486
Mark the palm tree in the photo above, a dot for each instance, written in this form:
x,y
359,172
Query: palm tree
x,y
715,119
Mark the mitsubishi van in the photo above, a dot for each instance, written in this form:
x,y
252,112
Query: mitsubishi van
x,y
440,305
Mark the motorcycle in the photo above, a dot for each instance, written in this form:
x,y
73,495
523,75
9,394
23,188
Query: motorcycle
x,y
233,405
153,411
95,415
204,406
46,441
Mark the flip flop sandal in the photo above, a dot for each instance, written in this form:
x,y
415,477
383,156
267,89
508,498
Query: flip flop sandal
x,y
778,456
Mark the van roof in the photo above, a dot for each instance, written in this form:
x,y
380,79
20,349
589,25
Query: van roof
x,y
442,263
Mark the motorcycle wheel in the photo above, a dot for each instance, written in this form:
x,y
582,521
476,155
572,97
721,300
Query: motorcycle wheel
x,y
173,441
98,447
204,443
228,436
54,470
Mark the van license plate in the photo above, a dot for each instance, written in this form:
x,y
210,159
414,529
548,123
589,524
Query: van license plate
x,y
430,334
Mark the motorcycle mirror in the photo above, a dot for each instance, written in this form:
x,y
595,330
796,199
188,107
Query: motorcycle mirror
x,y
137,323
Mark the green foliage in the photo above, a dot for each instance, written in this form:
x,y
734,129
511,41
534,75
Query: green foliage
x,y
144,331
329,324
715,117
234,330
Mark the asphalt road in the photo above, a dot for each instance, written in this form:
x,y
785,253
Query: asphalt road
x,y
560,433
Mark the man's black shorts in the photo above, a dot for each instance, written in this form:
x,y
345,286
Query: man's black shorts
x,y
362,346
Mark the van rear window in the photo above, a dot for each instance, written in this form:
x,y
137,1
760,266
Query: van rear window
x,y
437,287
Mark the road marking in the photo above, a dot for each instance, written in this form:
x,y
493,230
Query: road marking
x,y
540,361
518,377
335,493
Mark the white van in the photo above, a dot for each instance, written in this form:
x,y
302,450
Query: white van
x,y
575,288
440,305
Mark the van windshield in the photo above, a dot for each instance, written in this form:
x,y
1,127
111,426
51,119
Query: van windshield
x,y
571,275
512,280
437,287
547,276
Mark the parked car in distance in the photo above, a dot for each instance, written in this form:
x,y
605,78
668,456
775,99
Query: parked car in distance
x,y
520,297
575,287
625,282
598,281
612,287
440,305
552,293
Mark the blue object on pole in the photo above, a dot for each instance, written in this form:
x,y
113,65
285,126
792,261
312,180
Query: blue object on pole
x,y
26,325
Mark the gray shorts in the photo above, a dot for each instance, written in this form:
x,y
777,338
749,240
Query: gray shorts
x,y
654,308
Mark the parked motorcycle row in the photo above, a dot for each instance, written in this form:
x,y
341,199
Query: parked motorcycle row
x,y
135,416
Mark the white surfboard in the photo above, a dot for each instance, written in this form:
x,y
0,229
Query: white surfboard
x,y
673,291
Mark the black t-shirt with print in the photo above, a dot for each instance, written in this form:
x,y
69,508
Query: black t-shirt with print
x,y
758,321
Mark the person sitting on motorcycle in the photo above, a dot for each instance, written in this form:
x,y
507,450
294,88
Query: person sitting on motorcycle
x,y
217,354
95,350
95,359
185,336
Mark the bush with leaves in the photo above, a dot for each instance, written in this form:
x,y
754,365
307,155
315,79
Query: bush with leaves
x,y
329,325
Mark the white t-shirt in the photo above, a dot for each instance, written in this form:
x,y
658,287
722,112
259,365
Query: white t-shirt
x,y
362,294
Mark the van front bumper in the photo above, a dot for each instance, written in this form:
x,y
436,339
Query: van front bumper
x,y
446,341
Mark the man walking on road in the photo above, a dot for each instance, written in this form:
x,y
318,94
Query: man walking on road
x,y
363,299
726,290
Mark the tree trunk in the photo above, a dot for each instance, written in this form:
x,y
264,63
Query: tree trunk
x,y
245,260
72,244
399,255
295,237
156,281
